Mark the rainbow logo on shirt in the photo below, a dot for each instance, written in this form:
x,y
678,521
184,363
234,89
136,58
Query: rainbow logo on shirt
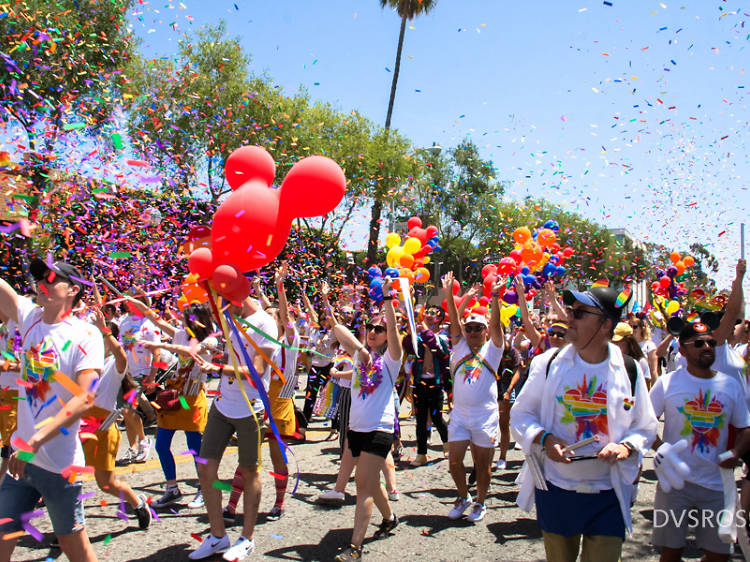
x,y
40,365
704,417
586,406
472,370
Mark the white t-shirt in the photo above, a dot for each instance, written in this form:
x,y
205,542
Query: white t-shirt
x,y
134,328
8,339
700,410
372,406
286,360
324,343
109,385
474,381
70,346
342,363
230,400
580,413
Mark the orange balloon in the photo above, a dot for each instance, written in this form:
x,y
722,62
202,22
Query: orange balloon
x,y
408,273
406,260
194,293
546,237
182,303
689,261
422,275
675,257
680,268
527,253
521,234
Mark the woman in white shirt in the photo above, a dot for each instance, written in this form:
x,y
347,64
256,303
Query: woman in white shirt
x,y
372,415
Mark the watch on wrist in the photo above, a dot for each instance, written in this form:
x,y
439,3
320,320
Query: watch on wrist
x,y
630,447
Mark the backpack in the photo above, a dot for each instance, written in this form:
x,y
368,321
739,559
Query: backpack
x,y
630,367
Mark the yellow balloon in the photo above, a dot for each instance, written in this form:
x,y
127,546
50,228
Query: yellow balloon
x,y
392,239
393,256
673,307
426,260
412,245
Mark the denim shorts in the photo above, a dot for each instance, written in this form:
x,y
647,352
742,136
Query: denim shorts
x,y
18,497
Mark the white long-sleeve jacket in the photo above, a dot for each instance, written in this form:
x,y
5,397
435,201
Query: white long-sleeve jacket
x,y
533,412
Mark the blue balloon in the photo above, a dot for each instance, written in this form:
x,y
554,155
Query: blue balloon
x,y
374,271
376,294
560,270
376,282
525,271
391,272
549,269
552,225
554,259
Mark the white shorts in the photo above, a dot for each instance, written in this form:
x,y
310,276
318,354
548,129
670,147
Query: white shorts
x,y
479,428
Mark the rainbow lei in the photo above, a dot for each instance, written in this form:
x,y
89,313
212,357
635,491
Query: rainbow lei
x,y
369,379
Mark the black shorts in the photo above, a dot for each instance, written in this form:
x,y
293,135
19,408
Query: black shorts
x,y
376,443
746,460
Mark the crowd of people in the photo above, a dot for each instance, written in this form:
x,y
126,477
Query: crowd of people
x,y
579,383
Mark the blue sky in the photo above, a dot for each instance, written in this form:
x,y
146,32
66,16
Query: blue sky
x,y
634,114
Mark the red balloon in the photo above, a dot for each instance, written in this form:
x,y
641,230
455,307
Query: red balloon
x,y
456,286
665,282
246,231
479,310
313,187
414,222
431,230
226,278
487,269
420,233
240,292
516,255
568,251
249,163
484,301
201,262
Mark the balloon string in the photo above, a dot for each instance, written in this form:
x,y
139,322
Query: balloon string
x,y
235,366
259,351
259,387
277,342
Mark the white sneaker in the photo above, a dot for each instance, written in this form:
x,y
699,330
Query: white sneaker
x,y
518,447
500,464
240,550
461,505
393,496
332,496
197,501
144,450
478,512
210,546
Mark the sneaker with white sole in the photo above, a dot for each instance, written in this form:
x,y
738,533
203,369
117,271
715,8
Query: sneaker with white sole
x,y
500,464
197,501
461,505
144,450
143,513
240,550
210,546
170,496
127,458
478,511
393,495
332,496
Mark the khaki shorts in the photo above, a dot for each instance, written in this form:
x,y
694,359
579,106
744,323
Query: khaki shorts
x,y
102,451
8,415
219,430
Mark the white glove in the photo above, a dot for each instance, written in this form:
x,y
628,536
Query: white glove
x,y
670,469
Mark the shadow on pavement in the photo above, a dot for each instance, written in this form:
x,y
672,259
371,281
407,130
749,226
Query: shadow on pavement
x,y
325,550
433,524
172,552
522,528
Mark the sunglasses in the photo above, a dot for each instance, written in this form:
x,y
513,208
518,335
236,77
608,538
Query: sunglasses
x,y
556,334
578,313
700,343
473,328
377,328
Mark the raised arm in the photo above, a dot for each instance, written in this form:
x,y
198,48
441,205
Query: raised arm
x,y
310,310
531,332
455,327
259,294
394,340
734,306
497,334
8,301
283,304
121,358
554,301
470,294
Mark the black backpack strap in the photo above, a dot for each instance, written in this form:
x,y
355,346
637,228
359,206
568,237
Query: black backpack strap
x,y
632,370
551,359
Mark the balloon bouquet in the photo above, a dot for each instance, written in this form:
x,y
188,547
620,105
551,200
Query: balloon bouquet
x,y
407,260
667,286
252,225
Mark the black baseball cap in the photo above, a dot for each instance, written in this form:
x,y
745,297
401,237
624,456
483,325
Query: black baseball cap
x,y
40,269
687,330
603,298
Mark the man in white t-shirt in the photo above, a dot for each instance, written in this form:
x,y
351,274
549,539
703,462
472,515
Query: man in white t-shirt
x,y
62,358
10,343
477,352
699,404
229,414
588,395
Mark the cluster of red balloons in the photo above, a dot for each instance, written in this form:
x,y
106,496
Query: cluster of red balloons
x,y
666,284
252,225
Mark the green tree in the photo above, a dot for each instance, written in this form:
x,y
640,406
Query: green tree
x,y
407,10
59,60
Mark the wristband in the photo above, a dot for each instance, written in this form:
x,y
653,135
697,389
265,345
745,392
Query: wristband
x,y
629,446
106,332
544,436
388,298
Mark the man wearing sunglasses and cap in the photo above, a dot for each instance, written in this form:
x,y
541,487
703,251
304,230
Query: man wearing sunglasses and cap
x,y
580,402
477,351
699,404
61,360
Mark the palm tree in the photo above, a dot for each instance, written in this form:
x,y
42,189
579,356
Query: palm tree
x,y
408,10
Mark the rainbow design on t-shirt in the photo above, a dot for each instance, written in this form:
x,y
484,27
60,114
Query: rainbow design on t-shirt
x,y
704,417
40,365
586,406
